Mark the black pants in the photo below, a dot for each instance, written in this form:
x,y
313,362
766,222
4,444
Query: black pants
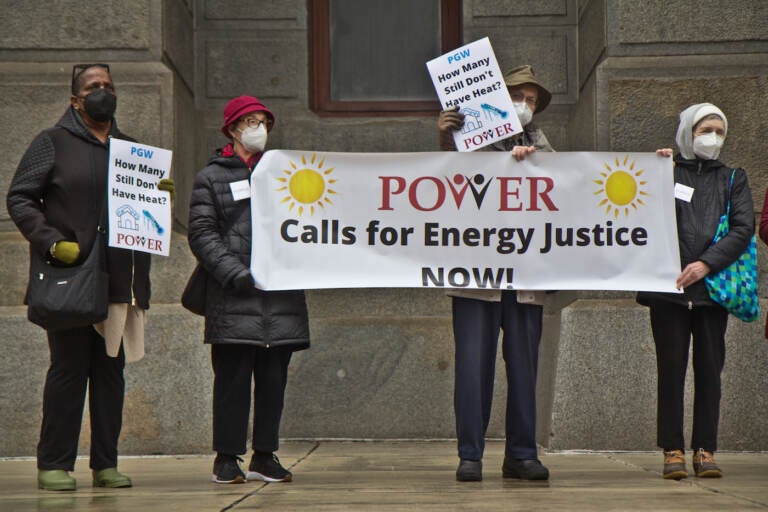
x,y
233,367
79,361
476,325
672,327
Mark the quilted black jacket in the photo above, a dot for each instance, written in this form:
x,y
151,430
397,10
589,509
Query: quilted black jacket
x,y
254,317
53,197
698,219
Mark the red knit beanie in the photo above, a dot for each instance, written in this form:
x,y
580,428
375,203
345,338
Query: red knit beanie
x,y
238,107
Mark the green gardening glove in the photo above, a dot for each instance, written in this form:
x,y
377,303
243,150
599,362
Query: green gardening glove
x,y
167,185
65,251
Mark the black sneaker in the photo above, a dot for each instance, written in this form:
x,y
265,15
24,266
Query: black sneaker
x,y
469,471
524,469
267,467
226,470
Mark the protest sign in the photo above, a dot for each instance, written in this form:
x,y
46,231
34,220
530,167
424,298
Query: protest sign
x,y
469,79
555,221
139,213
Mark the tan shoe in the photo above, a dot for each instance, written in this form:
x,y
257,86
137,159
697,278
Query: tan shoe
x,y
704,464
674,465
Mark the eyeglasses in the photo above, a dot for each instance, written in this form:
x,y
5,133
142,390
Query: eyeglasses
x,y
79,69
518,96
255,122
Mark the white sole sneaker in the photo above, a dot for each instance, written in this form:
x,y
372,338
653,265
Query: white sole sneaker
x,y
253,475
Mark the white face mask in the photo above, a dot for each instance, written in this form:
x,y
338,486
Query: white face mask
x,y
254,139
707,146
523,112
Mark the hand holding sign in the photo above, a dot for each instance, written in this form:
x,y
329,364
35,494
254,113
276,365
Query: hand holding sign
x,y
167,185
450,120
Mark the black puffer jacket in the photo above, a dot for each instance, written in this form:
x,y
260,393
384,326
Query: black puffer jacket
x,y
697,223
58,188
253,317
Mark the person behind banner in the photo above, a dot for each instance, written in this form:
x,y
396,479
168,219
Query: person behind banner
x,y
252,332
59,184
676,317
478,315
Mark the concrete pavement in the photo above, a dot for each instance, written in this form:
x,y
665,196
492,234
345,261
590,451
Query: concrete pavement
x,y
399,476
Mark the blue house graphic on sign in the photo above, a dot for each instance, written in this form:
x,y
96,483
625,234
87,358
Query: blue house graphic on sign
x,y
127,218
471,124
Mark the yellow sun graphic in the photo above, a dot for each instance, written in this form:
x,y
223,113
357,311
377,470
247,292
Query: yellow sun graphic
x,y
306,185
621,187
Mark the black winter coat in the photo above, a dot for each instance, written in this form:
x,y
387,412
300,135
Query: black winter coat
x,y
56,193
253,317
697,223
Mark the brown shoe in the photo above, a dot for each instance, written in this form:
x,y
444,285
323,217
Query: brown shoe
x,y
674,465
704,464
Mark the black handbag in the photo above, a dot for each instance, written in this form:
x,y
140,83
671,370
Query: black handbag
x,y
63,297
194,294
66,296
193,297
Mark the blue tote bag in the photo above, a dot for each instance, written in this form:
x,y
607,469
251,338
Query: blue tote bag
x,y
735,287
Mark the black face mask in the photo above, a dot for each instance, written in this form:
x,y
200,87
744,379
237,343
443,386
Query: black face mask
x,y
100,105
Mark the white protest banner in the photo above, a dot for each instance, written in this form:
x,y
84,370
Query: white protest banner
x,y
139,213
555,221
469,78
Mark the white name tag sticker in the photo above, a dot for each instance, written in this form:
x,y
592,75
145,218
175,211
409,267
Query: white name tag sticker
x,y
683,192
240,190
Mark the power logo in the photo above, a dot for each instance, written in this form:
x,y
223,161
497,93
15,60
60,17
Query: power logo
x,y
430,193
141,242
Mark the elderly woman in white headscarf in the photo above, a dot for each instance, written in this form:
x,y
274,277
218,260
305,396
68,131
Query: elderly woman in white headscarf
x,y
703,186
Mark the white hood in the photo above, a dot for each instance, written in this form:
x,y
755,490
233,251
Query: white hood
x,y
688,119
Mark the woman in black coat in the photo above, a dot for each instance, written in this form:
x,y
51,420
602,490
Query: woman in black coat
x,y
252,332
55,198
702,190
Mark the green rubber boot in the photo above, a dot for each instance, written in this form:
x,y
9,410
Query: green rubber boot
x,y
55,480
110,477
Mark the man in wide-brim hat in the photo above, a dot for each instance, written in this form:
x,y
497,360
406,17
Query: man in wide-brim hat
x,y
522,76
478,315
